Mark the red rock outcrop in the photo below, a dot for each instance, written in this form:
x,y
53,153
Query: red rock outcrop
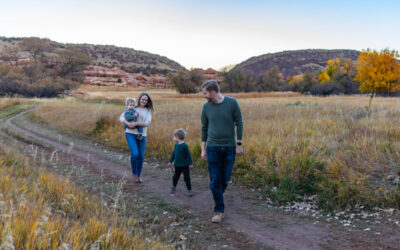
x,y
158,82
99,75
212,74
108,76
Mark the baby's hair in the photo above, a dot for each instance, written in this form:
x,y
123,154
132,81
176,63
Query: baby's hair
x,y
180,133
130,100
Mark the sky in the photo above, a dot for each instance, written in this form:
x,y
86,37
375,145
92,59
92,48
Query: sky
x,y
204,34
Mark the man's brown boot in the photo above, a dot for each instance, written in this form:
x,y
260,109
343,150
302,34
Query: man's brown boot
x,y
217,218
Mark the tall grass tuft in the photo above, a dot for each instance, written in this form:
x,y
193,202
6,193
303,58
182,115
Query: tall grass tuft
x,y
40,210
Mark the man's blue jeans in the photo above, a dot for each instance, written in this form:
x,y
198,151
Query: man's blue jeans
x,y
220,165
137,148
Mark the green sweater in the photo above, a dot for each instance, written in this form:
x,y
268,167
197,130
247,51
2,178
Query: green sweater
x,y
181,155
218,122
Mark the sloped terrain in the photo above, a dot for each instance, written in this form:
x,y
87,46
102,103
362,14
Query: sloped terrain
x,y
128,59
294,62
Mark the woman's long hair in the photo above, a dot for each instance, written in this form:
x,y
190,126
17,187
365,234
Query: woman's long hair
x,y
149,104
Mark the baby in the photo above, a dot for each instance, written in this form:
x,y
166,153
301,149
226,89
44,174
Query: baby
x,y
131,115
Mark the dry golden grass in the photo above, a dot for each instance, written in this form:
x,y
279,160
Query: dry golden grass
x,y
95,88
40,210
301,145
239,95
7,102
106,93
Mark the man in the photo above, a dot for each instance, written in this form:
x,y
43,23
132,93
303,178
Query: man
x,y
219,117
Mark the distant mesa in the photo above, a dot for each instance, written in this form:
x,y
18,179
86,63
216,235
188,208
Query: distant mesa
x,y
294,62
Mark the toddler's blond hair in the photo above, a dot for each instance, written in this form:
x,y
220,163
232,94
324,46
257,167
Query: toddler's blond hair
x,y
129,100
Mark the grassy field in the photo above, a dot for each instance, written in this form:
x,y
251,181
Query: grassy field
x,y
294,145
42,210
10,106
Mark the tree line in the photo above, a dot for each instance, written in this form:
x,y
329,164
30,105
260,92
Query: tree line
x,y
374,72
35,68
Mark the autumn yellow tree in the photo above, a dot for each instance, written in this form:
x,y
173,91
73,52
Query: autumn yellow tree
x,y
331,68
378,72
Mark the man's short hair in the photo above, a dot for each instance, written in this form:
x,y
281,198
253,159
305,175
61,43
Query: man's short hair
x,y
130,100
210,85
180,133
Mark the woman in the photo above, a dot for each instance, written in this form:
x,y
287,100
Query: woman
x,y
137,143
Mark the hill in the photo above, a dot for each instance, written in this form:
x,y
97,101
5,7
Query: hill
x,y
294,62
128,59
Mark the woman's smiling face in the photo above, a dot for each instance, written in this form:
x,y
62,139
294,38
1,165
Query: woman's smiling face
x,y
143,101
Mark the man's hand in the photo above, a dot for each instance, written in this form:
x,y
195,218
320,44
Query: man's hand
x,y
239,150
190,166
204,155
170,164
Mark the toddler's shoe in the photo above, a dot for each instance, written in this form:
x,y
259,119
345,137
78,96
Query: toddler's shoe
x,y
190,193
173,189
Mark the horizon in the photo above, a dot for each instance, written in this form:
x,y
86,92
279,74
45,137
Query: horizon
x,y
208,34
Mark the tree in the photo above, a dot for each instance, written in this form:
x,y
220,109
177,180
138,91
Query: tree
x,y
10,54
234,81
11,80
271,80
72,60
186,81
345,76
378,72
250,84
324,77
303,83
36,47
339,73
331,68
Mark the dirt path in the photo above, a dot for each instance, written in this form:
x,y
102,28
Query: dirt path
x,y
268,227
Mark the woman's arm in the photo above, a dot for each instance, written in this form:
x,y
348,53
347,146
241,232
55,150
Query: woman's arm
x,y
131,125
146,119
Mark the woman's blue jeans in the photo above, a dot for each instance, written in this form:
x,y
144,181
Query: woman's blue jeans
x,y
220,165
137,148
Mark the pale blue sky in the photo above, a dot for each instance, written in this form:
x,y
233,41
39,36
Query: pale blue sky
x,y
208,33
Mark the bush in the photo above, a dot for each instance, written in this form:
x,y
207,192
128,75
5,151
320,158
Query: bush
x,y
15,81
186,82
324,89
44,75
304,85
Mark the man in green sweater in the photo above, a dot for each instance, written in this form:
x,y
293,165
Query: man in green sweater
x,y
219,118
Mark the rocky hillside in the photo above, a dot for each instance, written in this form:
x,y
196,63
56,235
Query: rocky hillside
x,y
128,59
294,62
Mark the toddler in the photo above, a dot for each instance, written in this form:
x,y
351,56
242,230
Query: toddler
x,y
182,160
